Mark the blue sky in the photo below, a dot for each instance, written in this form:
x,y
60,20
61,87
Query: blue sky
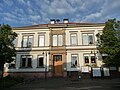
x,y
31,12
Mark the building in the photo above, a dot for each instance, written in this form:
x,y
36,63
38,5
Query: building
x,y
55,49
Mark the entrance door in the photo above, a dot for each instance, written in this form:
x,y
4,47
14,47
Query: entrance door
x,y
57,61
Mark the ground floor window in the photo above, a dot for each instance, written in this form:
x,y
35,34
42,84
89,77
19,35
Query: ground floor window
x,y
93,59
89,59
74,60
57,58
86,58
26,61
40,62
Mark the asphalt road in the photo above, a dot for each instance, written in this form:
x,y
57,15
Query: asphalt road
x,y
66,84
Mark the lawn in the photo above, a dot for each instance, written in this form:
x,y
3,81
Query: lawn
x,y
8,81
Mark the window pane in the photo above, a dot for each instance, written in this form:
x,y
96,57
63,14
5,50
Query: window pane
x,y
40,62
25,41
29,62
30,39
93,59
85,40
41,40
15,42
23,64
54,40
60,40
57,57
90,39
74,61
73,39
86,59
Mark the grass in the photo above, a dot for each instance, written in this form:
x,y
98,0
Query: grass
x,y
9,81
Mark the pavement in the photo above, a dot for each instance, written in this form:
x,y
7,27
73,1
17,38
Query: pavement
x,y
68,84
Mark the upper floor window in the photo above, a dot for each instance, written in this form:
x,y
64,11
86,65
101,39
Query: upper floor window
x,y
27,41
41,40
87,39
73,39
15,42
74,61
26,61
57,40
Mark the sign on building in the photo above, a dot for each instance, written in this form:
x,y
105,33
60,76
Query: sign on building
x,y
85,69
106,71
96,72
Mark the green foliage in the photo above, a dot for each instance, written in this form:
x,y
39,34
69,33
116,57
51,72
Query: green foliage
x,y
7,49
109,42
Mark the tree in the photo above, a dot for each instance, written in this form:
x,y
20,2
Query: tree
x,y
109,43
7,49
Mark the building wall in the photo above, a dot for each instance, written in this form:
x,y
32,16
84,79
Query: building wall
x,y
48,50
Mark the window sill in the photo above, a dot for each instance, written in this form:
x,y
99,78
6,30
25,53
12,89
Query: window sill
x,y
73,66
40,67
25,67
11,67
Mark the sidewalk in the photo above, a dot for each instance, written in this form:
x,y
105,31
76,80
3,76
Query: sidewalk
x,y
65,84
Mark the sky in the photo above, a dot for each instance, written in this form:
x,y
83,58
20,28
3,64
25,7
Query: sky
x,y
18,13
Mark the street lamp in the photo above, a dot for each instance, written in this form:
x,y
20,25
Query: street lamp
x,y
46,64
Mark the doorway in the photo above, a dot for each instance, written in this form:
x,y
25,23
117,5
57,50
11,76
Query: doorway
x,y
57,63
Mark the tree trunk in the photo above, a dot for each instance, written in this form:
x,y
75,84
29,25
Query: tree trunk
x,y
2,70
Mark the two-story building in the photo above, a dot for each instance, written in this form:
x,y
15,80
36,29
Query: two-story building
x,y
55,49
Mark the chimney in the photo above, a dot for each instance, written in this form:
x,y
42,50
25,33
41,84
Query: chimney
x,y
65,20
52,21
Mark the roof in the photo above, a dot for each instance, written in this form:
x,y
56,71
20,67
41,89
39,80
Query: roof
x,y
59,25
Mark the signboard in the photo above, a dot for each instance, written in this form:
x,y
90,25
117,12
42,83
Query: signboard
x,y
106,71
96,72
85,69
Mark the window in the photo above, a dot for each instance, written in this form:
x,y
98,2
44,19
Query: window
x,y
57,57
27,41
57,40
26,61
74,60
15,42
40,61
73,39
54,40
93,59
41,40
87,39
60,40
90,39
86,59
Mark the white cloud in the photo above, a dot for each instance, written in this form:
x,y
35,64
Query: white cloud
x,y
58,7
8,2
109,9
41,11
21,1
9,19
10,15
35,17
28,3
